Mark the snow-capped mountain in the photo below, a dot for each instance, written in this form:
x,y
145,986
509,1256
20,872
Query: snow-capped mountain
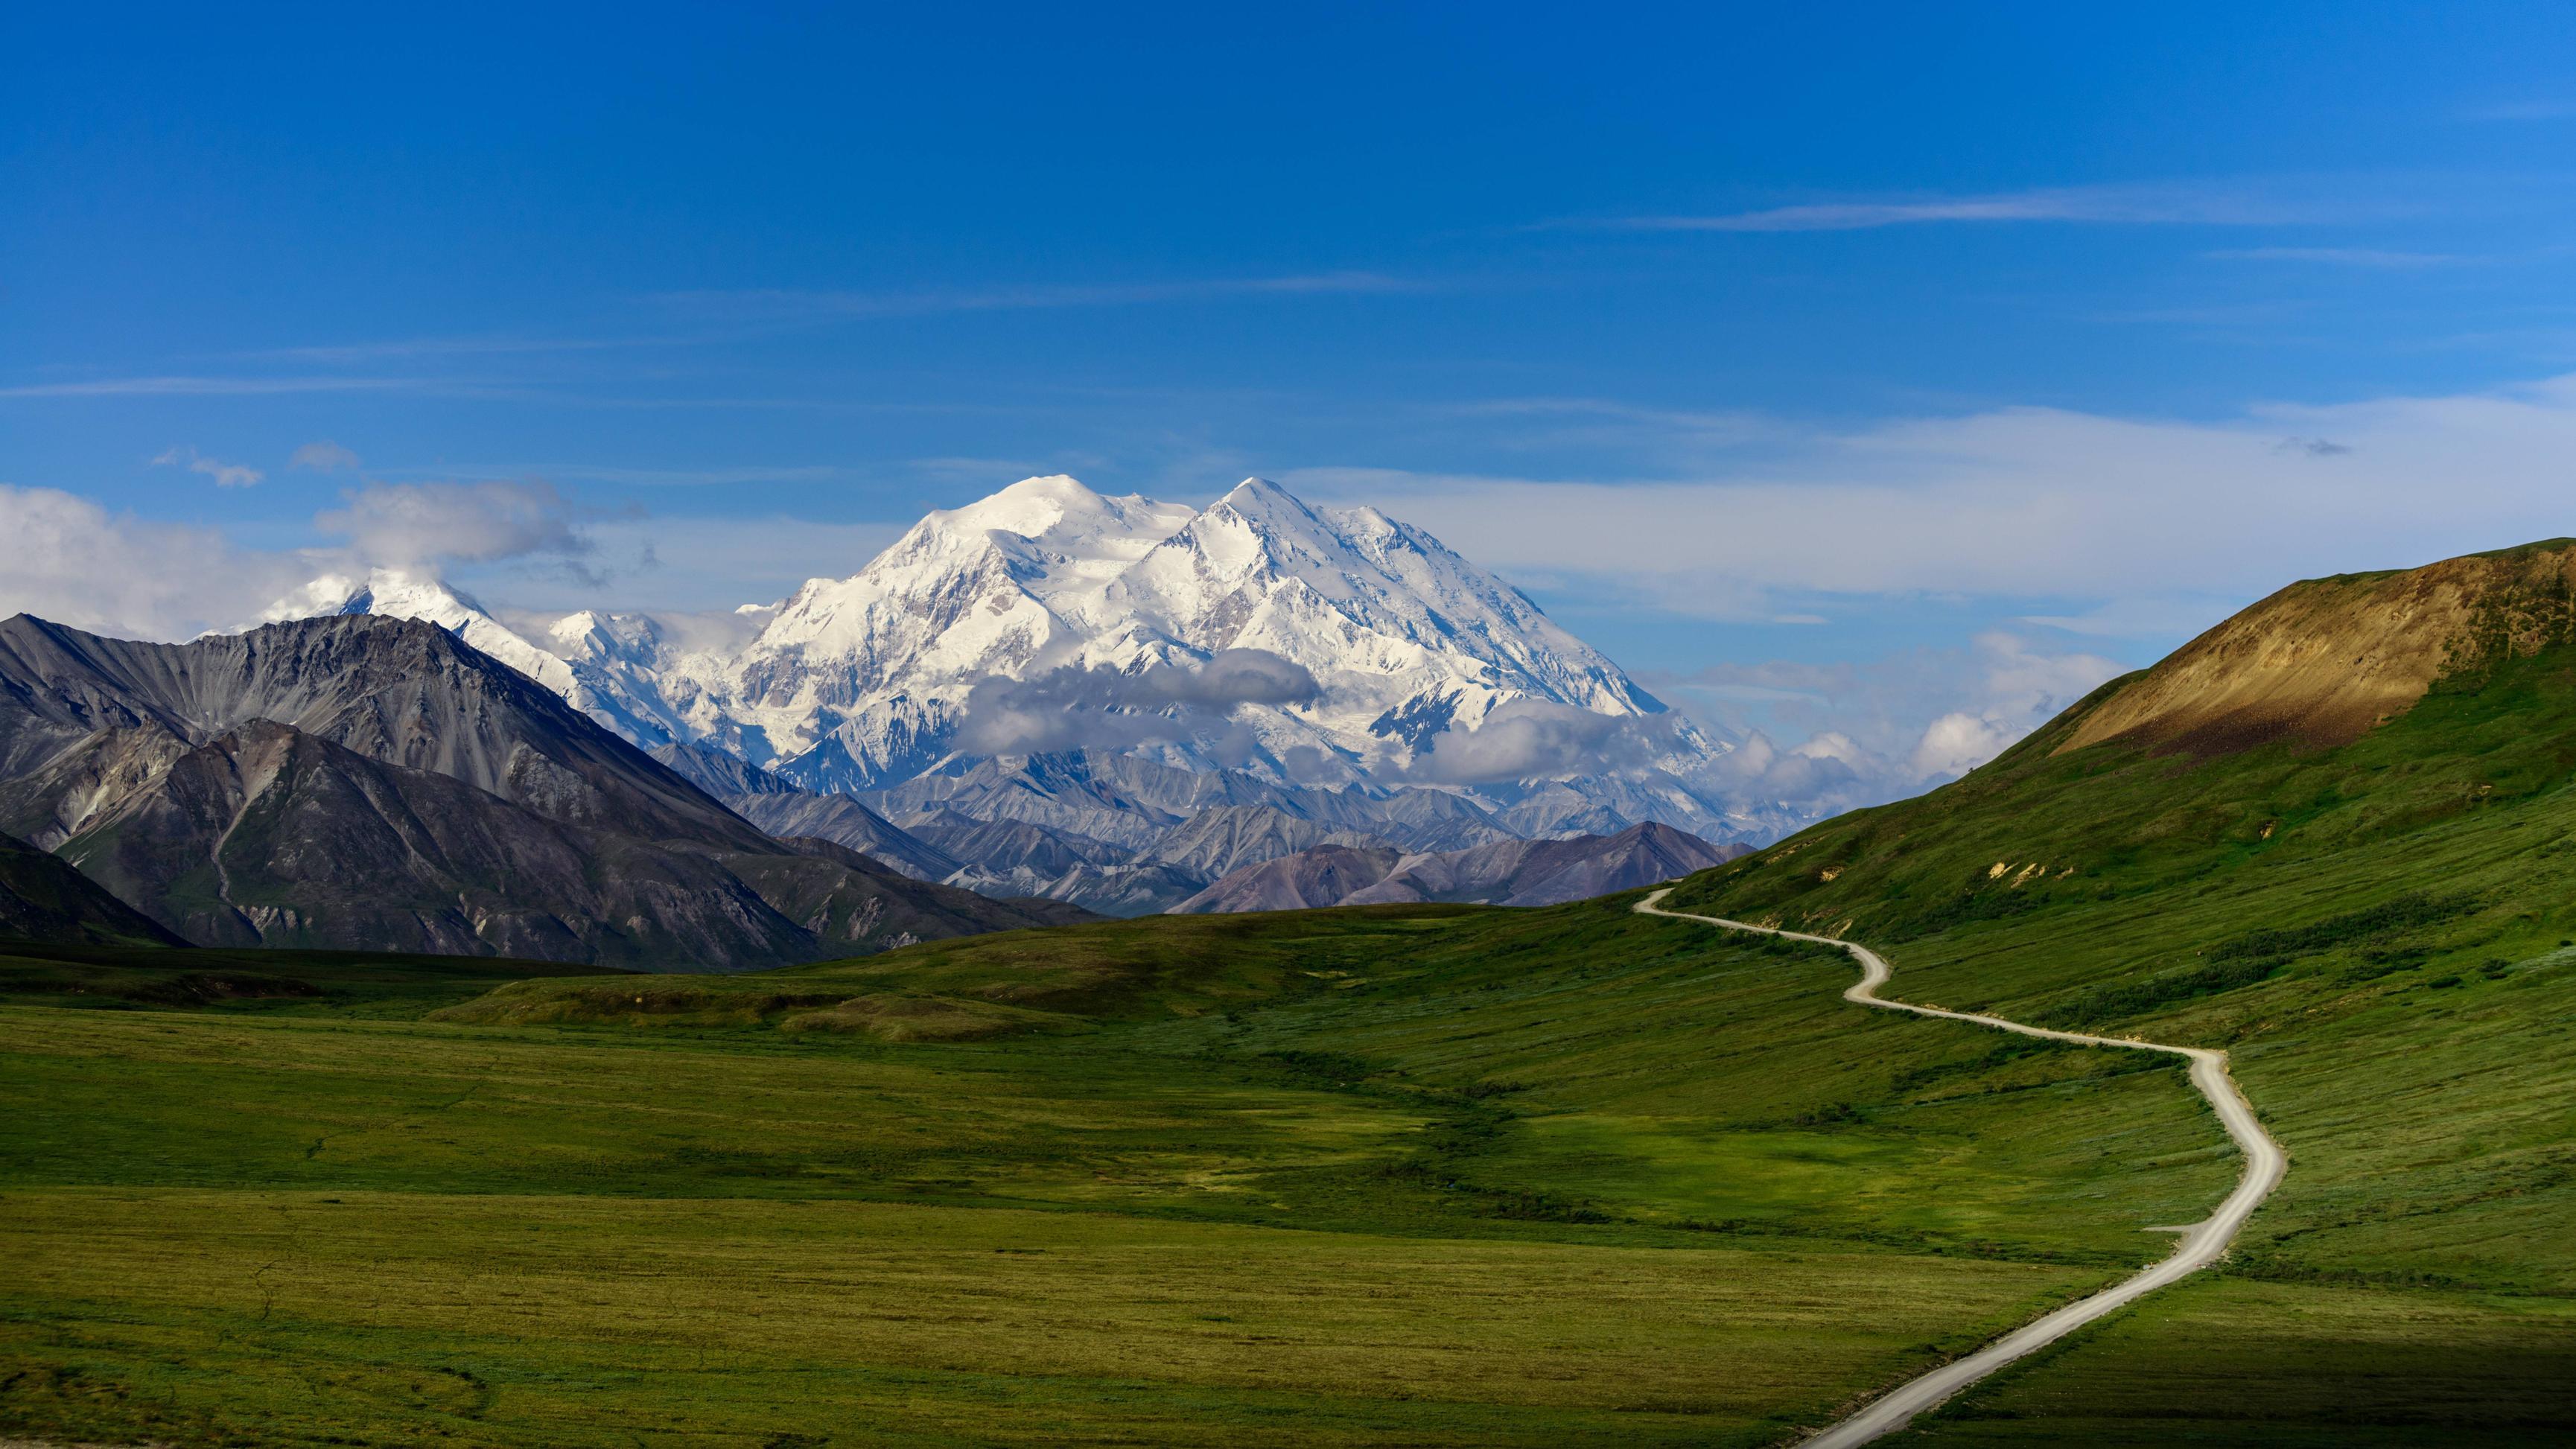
x,y
858,682
862,683
400,594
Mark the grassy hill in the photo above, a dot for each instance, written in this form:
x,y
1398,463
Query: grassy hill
x,y
1425,1174
2373,908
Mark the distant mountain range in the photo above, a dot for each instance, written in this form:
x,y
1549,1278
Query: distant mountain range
x,y
1030,832
1504,873
377,784
1050,636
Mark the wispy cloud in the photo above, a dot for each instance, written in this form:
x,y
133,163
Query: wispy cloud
x,y
212,386
432,348
226,475
324,455
2118,205
1723,422
641,477
2341,257
781,305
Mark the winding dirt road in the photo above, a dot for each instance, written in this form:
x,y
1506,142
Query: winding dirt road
x,y
2201,1245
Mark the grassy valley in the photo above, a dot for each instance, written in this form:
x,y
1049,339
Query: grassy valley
x,y
1427,1174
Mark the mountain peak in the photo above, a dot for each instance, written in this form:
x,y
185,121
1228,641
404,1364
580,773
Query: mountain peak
x,y
400,593
1058,511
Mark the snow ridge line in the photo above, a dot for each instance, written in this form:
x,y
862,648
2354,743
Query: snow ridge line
x,y
2201,1244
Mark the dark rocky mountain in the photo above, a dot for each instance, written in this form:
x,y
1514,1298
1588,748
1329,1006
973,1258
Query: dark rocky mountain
x,y
1509,872
1007,847
396,691
373,783
1216,842
1125,890
44,898
1323,876
845,822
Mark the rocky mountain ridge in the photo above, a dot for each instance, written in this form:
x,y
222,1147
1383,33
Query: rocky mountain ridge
x,y
377,784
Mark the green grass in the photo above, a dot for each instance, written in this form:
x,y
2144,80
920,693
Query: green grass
x,y
2378,935
1428,1175
303,983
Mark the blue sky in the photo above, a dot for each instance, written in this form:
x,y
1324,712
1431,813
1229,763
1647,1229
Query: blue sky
x,y
1833,369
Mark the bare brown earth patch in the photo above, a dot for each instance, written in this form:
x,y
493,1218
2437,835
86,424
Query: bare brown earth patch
x,y
2325,660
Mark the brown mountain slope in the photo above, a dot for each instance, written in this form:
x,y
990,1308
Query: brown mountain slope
x,y
2325,660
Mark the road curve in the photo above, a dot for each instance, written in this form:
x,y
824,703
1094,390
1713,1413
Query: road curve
x,y
2201,1245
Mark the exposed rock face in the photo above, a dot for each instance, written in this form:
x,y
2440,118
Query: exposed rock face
x,y
847,823
2323,661
1216,842
1000,847
373,783
720,774
399,692
1510,872
43,898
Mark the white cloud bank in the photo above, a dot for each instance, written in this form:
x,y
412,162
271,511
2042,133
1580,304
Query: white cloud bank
x,y
75,563
1890,726
2031,503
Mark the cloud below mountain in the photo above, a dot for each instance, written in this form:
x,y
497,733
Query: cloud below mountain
x,y
1530,739
1076,707
1883,728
